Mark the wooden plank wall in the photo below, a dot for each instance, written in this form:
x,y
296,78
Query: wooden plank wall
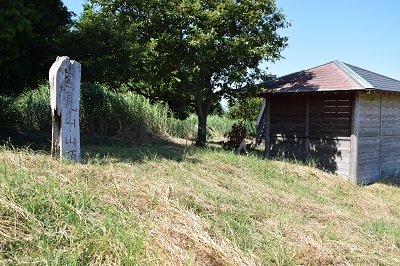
x,y
312,126
390,157
331,155
368,138
390,115
330,115
288,115
318,126
390,141
368,160
288,147
378,151
369,115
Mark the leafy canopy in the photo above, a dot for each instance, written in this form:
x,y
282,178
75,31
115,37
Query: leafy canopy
x,y
190,51
29,40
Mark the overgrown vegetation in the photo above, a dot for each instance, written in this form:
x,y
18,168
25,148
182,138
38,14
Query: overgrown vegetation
x,y
235,136
245,108
164,202
31,109
5,103
109,113
105,112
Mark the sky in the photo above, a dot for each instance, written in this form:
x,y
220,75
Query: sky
x,y
363,33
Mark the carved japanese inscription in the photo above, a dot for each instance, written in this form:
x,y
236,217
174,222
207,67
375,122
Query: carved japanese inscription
x,y
65,77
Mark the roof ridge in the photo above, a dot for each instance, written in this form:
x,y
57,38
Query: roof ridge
x,y
360,80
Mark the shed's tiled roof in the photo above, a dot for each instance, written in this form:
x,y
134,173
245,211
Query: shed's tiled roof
x,y
332,76
379,82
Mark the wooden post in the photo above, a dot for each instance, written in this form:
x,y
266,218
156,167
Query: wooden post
x,y
380,134
355,120
308,127
65,78
260,123
267,126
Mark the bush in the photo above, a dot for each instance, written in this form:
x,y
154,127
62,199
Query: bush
x,y
31,109
5,110
246,109
235,136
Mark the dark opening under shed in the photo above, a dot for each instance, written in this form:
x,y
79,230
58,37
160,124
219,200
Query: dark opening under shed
x,y
345,118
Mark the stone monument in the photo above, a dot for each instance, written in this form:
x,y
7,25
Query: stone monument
x,y
65,78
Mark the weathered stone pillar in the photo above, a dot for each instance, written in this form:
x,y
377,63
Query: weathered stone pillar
x,y
65,78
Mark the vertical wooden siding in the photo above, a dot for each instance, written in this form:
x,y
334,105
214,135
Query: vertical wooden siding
x,y
378,151
368,138
390,141
316,126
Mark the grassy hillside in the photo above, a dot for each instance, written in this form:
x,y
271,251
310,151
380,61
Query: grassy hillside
x,y
164,202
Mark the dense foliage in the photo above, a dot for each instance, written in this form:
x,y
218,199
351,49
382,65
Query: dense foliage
x,y
246,109
29,35
104,112
190,53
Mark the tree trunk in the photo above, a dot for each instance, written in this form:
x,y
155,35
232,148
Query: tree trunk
x,y
203,100
201,129
203,109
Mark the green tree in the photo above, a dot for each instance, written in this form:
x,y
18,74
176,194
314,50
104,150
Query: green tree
x,y
29,30
191,51
102,48
246,108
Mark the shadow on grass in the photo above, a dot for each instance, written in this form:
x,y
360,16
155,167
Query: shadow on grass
x,y
99,149
393,181
96,149
36,141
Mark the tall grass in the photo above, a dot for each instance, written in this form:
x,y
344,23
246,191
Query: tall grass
x,y
187,129
32,109
104,112
52,219
108,113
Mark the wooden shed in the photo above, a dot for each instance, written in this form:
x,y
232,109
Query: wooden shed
x,y
344,118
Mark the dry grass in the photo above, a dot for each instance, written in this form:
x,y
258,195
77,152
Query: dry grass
x,y
166,203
